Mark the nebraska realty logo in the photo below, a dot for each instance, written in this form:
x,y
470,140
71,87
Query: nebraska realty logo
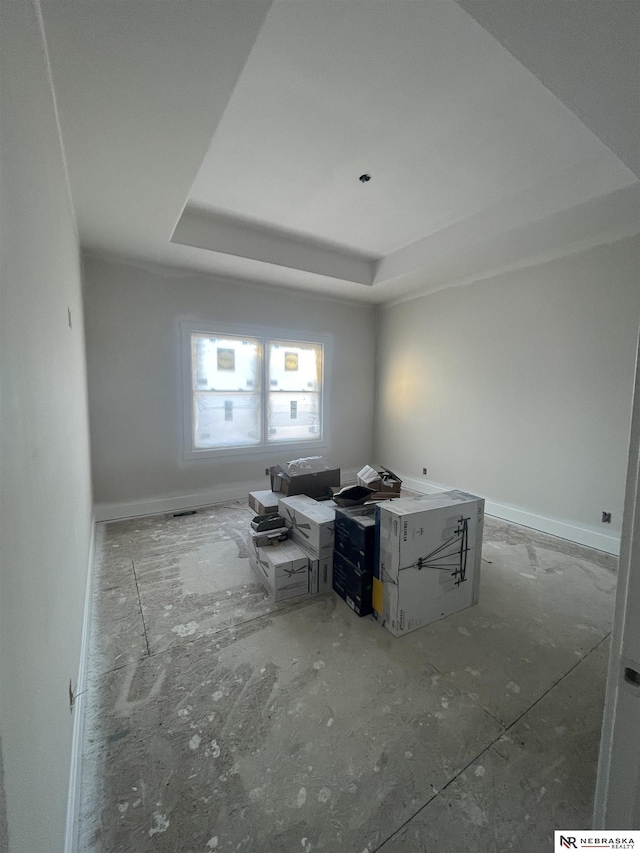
x,y
580,839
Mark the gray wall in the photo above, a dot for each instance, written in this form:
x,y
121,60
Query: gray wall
x,y
518,388
134,367
45,497
4,831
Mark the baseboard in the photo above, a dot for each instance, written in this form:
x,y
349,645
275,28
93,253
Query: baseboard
x,y
155,506
171,503
73,804
562,529
555,527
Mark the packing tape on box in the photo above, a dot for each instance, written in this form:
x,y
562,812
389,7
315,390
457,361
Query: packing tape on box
x,y
377,595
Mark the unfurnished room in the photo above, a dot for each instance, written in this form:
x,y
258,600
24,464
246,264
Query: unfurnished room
x,y
319,426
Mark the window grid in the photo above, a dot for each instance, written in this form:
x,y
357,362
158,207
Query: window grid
x,y
253,392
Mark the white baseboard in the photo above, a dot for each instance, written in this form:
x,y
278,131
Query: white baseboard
x,y
562,529
173,503
73,803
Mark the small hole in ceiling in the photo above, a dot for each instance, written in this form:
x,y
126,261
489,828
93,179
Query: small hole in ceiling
x,y
364,178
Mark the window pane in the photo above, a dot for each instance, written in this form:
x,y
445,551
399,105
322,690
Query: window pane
x,y
251,392
293,416
225,363
295,366
226,420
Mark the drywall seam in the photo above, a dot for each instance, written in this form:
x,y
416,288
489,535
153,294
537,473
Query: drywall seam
x,y
45,47
555,527
156,506
73,804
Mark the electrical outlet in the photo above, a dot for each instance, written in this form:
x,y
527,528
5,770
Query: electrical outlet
x,y
606,518
266,472
424,471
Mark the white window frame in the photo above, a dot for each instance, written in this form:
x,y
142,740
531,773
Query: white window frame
x,y
301,447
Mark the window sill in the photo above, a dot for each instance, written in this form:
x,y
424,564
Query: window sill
x,y
295,449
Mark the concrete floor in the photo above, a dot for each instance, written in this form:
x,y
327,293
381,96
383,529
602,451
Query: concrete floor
x,y
218,720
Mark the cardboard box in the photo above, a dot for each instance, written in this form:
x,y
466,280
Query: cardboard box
x,y
320,571
355,535
312,476
311,523
352,584
283,569
430,558
263,502
384,483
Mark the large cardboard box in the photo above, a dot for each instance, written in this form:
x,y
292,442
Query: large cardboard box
x,y
283,569
320,571
311,522
312,476
352,584
355,535
430,558
263,501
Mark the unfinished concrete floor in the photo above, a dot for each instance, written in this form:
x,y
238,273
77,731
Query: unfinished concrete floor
x,y
218,720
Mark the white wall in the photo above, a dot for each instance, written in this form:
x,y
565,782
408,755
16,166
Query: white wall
x,y
617,795
4,832
518,388
134,364
45,497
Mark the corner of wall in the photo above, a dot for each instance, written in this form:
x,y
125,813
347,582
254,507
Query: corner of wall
x,y
73,806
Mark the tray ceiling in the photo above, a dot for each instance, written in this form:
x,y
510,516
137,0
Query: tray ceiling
x,y
231,137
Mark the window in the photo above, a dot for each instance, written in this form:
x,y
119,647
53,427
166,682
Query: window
x,y
253,392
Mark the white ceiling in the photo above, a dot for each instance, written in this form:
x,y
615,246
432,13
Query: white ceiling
x,y
229,137
585,52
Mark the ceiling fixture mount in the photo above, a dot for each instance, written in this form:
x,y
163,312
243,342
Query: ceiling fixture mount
x,y
364,178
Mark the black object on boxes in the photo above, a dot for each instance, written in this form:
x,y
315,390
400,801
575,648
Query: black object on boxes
x,y
352,584
351,495
268,521
355,535
269,537
312,476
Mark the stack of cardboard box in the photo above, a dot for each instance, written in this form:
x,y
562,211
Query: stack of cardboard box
x,y
355,556
311,527
304,563
410,561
